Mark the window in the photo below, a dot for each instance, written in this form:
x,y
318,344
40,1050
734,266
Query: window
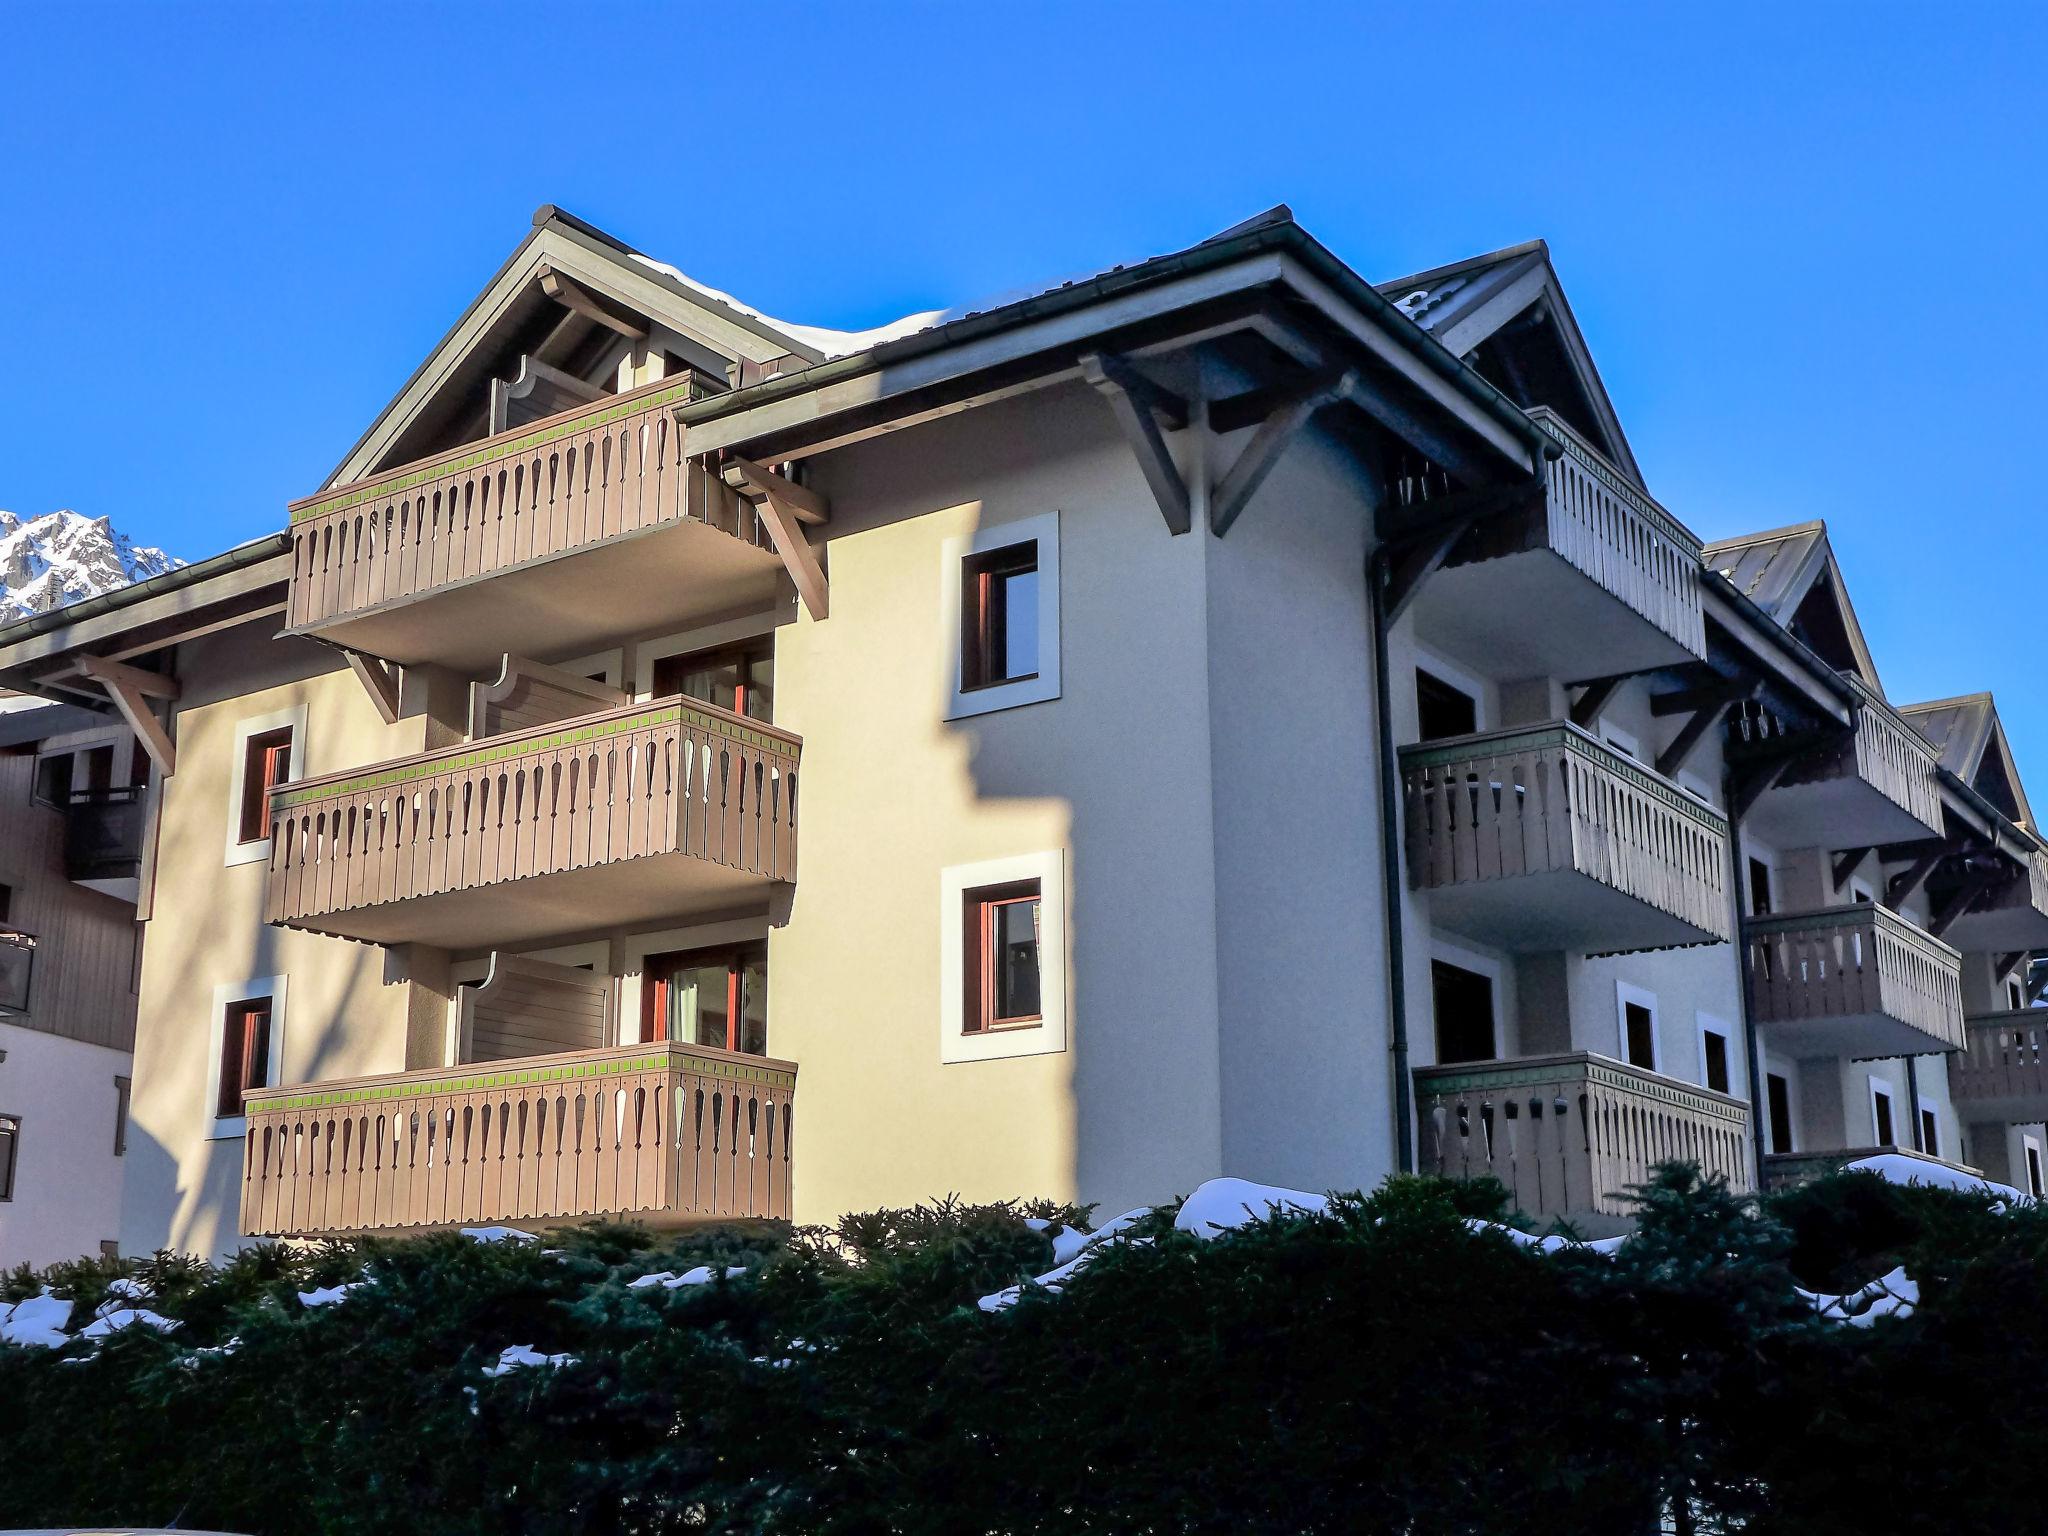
x,y
266,763
1759,888
1463,1002
10,1150
1002,971
1881,1116
740,678
53,779
1930,1129
1778,1097
2015,994
708,997
244,1053
999,617
2034,1187
1002,960
1441,709
269,751
6,901
1000,591
1859,893
120,1117
1714,1060
1638,1025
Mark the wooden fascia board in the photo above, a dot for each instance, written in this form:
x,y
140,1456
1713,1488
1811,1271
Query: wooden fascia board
x,y
1999,743
1866,663
1519,286
109,629
1581,355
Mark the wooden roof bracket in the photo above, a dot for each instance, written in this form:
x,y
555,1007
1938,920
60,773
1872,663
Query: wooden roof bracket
x,y
1139,406
570,294
380,680
784,507
131,689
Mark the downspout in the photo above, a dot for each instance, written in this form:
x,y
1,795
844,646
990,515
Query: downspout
x,y
1913,1103
1376,577
1759,1108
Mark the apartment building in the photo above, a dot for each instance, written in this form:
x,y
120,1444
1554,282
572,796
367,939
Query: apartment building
x,y
73,793
1219,716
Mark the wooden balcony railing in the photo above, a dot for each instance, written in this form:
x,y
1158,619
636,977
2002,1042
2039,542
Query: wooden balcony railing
x,y
1509,805
2002,1073
642,781
1859,981
1615,534
653,1132
17,969
1896,760
579,478
1570,1135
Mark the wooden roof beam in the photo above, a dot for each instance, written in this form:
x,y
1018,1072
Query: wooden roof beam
x,y
131,689
570,294
743,474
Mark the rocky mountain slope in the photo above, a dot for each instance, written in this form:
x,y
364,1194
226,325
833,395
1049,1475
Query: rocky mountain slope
x,y
61,557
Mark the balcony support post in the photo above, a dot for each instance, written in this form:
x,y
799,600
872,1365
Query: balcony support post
x,y
1975,884
1674,757
380,680
131,688
1903,888
1592,699
1845,863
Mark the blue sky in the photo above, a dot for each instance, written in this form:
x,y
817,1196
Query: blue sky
x,y
1804,242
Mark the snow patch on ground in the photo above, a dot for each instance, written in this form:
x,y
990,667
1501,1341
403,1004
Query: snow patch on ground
x,y
1892,1295
498,1235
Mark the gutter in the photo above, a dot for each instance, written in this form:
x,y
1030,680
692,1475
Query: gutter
x,y
265,547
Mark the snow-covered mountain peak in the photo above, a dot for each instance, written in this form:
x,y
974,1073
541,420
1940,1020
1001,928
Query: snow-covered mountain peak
x,y
61,557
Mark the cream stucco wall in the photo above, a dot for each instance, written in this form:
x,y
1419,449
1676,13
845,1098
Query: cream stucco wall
x,y
67,1180
344,1012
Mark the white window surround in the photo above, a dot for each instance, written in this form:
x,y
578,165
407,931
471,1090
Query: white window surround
x,y
956,1043
705,637
239,852
1880,1088
630,955
2030,1157
596,954
1045,530
222,1127
1707,1023
1624,994
611,664
1479,964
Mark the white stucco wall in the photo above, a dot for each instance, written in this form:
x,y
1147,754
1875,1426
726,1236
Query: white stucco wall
x,y
67,1180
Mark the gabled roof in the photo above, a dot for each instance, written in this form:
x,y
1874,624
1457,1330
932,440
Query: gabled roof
x,y
1506,313
512,312
1792,574
1970,741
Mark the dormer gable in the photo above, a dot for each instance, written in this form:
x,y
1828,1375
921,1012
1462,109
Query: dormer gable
x,y
572,316
1505,313
1793,575
1971,742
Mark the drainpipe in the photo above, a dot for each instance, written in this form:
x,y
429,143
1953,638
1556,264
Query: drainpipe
x,y
1390,867
1759,1108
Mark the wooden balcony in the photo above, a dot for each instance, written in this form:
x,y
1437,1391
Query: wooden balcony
x,y
103,837
1545,838
2002,1074
661,1134
1570,1135
17,969
640,812
1611,579
545,540
2014,916
1786,1170
1864,790
1856,982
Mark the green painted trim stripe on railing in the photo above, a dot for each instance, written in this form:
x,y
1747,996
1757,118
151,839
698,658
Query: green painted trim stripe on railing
x,y
349,497
1508,1077
1862,914
485,1082
1596,465
501,750
1507,743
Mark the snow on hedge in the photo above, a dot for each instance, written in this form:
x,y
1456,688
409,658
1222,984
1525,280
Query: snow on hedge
x,y
1897,1168
668,1279
522,1357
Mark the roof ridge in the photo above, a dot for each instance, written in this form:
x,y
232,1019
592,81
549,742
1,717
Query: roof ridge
x,y
1815,525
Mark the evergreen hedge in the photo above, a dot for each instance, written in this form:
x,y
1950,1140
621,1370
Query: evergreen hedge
x,y
1384,1367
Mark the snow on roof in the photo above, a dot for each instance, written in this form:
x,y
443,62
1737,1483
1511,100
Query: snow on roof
x,y
823,339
